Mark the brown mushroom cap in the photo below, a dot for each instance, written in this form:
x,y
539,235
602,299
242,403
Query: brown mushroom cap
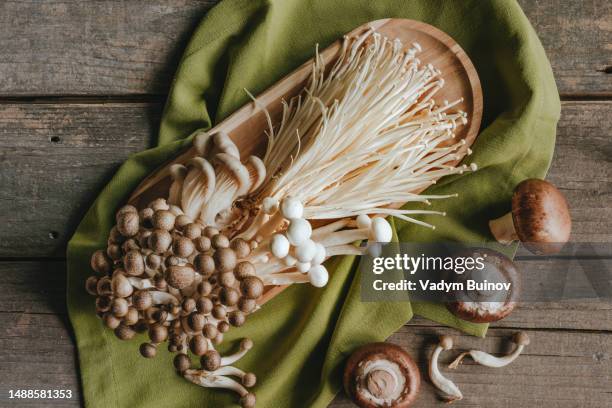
x,y
133,263
148,350
252,287
100,262
211,360
474,306
128,223
361,384
541,216
164,219
179,276
182,362
183,247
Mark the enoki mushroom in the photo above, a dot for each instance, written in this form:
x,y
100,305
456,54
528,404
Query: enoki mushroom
x,y
188,266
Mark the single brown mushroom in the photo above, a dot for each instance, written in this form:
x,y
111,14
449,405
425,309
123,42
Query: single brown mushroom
x,y
540,218
485,306
381,375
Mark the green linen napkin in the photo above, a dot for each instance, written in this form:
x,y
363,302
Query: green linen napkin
x,y
304,335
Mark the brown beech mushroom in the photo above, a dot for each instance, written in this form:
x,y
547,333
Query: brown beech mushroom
x,y
180,277
521,339
100,263
381,375
484,305
449,389
540,218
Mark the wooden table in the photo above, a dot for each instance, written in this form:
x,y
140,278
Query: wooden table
x,y
82,87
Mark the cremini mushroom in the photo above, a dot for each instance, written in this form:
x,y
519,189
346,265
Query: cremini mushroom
x,y
449,389
381,375
540,218
482,306
521,339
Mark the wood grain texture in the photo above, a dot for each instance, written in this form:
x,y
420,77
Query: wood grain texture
x,y
62,47
37,352
94,47
577,37
48,185
54,160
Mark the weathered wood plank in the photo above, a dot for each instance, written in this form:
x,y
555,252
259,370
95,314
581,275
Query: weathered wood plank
x,y
56,158
54,161
133,47
94,47
37,352
577,37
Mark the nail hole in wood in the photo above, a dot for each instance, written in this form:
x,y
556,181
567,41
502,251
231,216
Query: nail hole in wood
x,y
55,139
53,234
607,70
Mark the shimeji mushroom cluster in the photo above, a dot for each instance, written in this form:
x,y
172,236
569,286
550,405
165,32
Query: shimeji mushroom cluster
x,y
363,137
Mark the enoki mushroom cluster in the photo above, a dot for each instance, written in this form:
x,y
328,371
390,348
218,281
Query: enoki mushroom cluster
x,y
363,137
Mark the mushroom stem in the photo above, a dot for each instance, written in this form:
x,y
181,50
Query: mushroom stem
x,y
503,229
178,173
198,186
449,388
245,346
210,380
520,339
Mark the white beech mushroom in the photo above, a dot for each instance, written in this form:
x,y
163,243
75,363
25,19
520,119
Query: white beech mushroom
x,y
198,186
381,375
540,218
450,390
233,181
521,339
178,172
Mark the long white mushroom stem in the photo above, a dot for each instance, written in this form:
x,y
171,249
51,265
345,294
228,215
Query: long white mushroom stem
x,y
449,389
520,339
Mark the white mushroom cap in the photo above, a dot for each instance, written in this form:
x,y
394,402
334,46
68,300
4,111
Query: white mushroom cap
x,y
318,276
320,254
380,230
306,251
303,266
269,205
223,143
238,170
257,172
292,208
279,245
299,231
363,221
201,142
289,260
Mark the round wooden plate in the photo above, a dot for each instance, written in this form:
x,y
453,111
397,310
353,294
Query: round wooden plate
x,y
247,125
